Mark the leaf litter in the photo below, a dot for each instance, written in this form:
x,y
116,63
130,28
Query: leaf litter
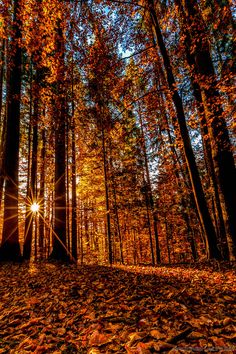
x,y
56,308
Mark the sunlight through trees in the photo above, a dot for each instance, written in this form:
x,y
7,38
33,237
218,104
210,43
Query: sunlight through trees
x,y
116,131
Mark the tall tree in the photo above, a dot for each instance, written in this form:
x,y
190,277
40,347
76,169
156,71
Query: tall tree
x,y
219,137
3,117
74,194
10,248
60,111
209,231
32,193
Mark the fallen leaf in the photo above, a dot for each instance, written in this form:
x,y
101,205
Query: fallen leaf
x,y
98,339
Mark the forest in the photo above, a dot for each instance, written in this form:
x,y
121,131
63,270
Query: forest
x,y
117,140
117,162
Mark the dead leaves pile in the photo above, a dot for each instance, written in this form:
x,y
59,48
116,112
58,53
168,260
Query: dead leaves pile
x,y
52,308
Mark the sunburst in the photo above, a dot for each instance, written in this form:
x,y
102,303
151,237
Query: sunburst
x,y
35,207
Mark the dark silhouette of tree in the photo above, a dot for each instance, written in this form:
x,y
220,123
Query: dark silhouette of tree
x,y
10,248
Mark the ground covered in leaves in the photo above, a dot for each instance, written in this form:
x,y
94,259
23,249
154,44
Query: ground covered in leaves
x,y
52,308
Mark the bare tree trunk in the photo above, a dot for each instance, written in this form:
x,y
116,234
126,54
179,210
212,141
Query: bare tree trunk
x,y
67,143
219,137
113,186
10,248
150,194
59,240
42,196
108,216
209,231
2,67
3,118
32,193
74,196
204,132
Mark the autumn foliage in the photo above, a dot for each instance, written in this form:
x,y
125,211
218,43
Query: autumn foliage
x,y
117,176
117,120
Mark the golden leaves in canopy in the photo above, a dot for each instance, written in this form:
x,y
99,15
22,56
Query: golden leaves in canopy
x,y
39,23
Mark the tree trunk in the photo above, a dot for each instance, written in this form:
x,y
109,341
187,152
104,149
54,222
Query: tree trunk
x,y
219,138
41,222
181,188
32,193
2,65
209,231
219,222
3,119
150,194
67,143
10,248
108,216
117,218
74,201
59,239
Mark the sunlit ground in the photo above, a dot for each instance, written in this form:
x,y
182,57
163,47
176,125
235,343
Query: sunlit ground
x,y
56,308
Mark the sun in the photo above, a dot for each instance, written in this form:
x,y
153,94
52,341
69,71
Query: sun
x,y
35,207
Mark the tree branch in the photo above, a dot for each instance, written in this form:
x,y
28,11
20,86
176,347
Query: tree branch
x,y
127,3
141,51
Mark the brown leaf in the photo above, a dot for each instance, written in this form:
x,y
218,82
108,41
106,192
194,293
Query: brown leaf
x,y
97,339
31,322
61,316
133,338
61,331
94,351
33,301
157,334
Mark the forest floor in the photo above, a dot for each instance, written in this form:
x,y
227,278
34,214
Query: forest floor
x,y
55,308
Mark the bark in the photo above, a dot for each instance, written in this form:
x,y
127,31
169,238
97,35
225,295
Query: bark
x,y
209,231
10,248
2,157
206,146
116,212
219,137
32,193
3,119
150,194
108,216
2,64
67,143
181,187
149,221
41,197
74,201
59,239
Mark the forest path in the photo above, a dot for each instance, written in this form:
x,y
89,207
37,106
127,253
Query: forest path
x,y
52,308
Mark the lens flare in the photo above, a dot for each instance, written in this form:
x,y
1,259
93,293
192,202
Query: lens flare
x,y
34,207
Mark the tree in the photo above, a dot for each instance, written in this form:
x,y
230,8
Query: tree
x,y
221,147
60,111
10,248
209,231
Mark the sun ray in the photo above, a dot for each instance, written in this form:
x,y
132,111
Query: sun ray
x,y
58,238
9,236
11,217
11,196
